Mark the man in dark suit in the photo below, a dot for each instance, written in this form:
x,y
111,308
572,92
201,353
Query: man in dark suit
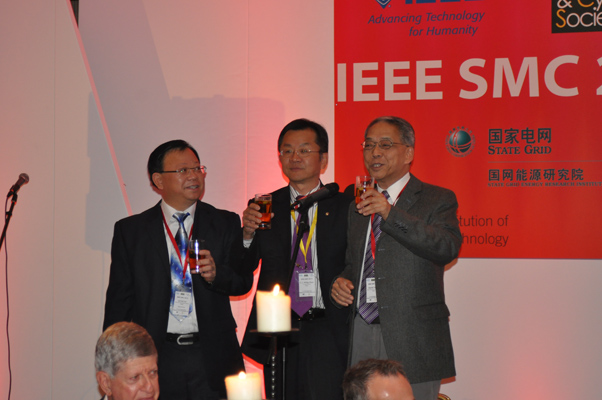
x,y
316,355
400,238
187,315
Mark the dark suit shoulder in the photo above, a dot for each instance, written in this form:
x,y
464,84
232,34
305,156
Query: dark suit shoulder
x,y
338,204
282,191
282,195
217,212
137,219
344,197
429,188
350,190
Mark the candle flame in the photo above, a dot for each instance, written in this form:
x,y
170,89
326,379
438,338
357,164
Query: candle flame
x,y
276,290
242,375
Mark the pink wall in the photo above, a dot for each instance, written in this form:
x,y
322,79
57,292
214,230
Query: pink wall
x,y
226,78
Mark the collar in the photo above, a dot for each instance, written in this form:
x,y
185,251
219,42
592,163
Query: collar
x,y
294,192
395,189
169,211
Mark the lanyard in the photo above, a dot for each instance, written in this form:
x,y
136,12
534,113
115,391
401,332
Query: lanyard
x,y
305,247
175,245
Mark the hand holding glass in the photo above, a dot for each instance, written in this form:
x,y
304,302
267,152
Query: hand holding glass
x,y
194,248
362,183
264,201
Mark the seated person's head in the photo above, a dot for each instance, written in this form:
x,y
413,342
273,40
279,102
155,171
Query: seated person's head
x,y
126,363
376,380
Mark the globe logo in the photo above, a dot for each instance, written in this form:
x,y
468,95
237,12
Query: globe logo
x,y
460,142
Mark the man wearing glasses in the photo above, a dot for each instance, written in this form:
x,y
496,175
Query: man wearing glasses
x,y
187,315
401,236
316,355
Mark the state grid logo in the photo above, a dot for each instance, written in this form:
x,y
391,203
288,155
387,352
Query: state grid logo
x,y
459,142
383,3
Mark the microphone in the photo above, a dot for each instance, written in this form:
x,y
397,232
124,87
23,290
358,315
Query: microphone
x,y
23,179
323,193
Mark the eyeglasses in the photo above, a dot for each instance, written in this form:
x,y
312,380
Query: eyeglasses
x,y
303,153
384,144
184,171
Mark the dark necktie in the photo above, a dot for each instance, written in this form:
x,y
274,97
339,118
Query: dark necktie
x,y
369,311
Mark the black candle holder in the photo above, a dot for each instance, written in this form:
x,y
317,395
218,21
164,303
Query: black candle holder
x,y
272,361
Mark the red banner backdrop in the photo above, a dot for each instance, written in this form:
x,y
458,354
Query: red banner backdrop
x,y
506,102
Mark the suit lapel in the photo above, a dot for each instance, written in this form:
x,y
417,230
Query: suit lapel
x,y
410,194
281,223
325,228
202,223
358,230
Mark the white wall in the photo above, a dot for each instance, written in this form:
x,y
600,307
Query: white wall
x,y
27,145
226,78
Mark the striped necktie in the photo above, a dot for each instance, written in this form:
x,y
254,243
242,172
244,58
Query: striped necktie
x,y
369,311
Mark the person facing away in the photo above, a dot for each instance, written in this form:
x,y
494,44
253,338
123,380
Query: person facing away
x,y
373,379
316,354
401,236
188,315
126,363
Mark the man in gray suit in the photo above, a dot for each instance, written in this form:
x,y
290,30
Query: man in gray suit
x,y
400,238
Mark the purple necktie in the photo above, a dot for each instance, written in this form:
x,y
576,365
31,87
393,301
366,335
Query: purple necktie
x,y
300,304
369,311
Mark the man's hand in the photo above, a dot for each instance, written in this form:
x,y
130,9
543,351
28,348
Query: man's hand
x,y
374,202
251,218
207,268
341,292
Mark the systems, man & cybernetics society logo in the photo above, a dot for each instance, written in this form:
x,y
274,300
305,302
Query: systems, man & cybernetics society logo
x,y
459,142
570,16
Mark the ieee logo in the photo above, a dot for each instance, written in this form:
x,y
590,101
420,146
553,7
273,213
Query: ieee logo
x,y
383,3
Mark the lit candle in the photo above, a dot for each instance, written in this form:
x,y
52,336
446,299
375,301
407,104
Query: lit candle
x,y
243,386
273,311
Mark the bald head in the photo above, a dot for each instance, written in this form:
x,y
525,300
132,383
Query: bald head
x,y
392,387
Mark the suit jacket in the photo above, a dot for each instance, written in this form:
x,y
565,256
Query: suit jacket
x,y
140,284
273,247
420,236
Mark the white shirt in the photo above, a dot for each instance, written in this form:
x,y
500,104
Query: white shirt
x,y
190,323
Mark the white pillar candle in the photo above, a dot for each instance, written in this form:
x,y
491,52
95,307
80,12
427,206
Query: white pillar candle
x,y
273,311
243,386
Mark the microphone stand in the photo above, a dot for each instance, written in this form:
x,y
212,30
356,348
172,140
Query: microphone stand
x,y
7,218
